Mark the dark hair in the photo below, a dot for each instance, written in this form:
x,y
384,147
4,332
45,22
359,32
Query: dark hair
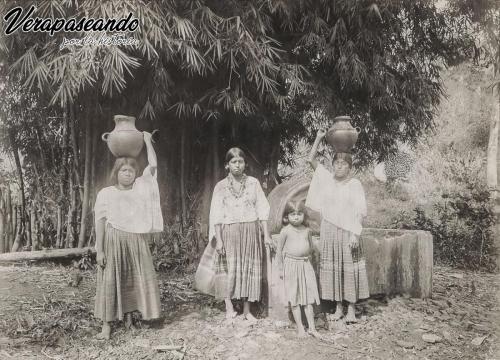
x,y
234,152
119,162
294,206
343,156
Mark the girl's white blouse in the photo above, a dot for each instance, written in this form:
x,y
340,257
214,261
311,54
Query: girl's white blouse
x,y
229,209
341,203
136,210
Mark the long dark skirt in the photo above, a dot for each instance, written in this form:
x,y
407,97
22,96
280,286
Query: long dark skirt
x,y
128,282
342,274
243,261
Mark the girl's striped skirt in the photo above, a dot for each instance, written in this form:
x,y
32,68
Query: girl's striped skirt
x,y
300,281
243,261
342,274
128,281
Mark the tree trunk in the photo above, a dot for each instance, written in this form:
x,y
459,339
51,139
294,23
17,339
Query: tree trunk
x,y
70,219
9,227
74,146
3,218
47,254
15,223
494,138
59,227
34,237
183,175
86,182
19,170
19,231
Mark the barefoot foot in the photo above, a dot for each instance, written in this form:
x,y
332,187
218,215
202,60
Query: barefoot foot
x,y
351,319
105,333
250,317
231,315
337,316
301,333
315,334
351,314
129,323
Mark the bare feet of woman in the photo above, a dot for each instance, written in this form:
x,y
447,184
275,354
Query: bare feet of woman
x,y
301,333
129,323
249,317
105,333
339,314
231,314
314,333
351,314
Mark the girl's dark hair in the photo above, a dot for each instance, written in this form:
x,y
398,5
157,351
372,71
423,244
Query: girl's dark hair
x,y
343,156
234,152
119,162
294,206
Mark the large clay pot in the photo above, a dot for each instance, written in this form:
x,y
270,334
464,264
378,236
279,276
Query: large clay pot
x,y
342,136
125,140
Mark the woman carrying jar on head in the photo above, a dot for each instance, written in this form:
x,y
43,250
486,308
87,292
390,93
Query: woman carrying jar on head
x,y
126,214
340,199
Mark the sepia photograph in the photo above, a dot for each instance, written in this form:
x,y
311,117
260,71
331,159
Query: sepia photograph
x,y
250,179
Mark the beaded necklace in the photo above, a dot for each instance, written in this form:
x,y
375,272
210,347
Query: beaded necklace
x,y
232,190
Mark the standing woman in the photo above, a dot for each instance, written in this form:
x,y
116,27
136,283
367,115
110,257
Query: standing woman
x,y
238,216
341,201
126,214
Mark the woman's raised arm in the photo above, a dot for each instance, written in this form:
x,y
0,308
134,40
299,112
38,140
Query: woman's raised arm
x,y
152,161
312,155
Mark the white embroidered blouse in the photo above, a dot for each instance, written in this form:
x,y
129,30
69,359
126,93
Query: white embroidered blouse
x,y
340,203
226,208
136,210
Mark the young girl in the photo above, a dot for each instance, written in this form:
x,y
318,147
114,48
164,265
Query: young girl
x,y
126,214
238,217
341,201
294,258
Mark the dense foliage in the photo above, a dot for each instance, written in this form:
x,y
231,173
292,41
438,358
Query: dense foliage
x,y
461,221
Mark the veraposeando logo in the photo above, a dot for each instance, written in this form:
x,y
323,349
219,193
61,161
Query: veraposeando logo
x,y
18,18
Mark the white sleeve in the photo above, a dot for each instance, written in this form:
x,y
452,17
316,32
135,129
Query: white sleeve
x,y
316,192
101,205
216,209
359,198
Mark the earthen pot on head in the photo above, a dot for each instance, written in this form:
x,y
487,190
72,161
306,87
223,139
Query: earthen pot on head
x,y
125,140
342,135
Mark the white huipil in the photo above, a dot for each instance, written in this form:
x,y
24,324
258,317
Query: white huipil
x,y
225,208
136,210
341,203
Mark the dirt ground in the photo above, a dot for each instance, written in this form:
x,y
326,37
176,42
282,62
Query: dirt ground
x,y
45,316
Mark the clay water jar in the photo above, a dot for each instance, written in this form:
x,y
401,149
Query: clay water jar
x,y
125,140
342,135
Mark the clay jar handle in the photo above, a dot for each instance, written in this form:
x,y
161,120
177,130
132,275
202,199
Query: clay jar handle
x,y
156,131
358,129
104,136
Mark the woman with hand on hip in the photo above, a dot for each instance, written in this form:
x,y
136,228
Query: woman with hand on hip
x,y
126,214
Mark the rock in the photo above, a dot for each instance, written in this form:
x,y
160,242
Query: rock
x,y
478,341
405,344
431,338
